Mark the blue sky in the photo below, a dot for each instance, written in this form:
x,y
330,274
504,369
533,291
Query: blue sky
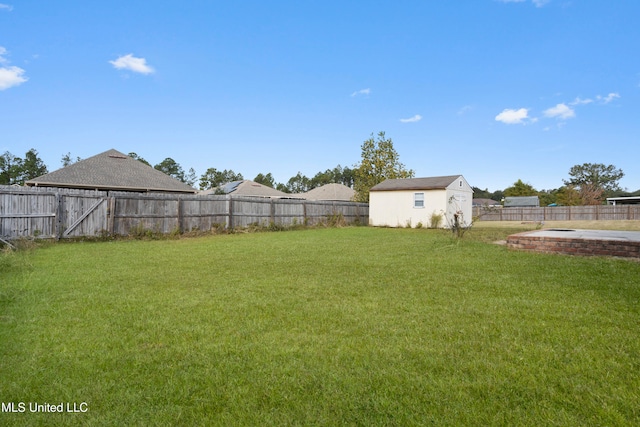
x,y
496,90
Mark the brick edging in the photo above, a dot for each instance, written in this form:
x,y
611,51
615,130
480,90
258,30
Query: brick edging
x,y
572,246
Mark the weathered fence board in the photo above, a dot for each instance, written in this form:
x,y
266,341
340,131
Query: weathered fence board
x,y
560,213
24,214
198,213
65,213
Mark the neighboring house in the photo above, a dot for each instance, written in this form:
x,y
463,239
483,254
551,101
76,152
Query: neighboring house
x,y
628,200
407,202
246,188
333,192
486,203
522,202
111,170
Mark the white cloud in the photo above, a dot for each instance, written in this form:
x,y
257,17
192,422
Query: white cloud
x,y
537,3
513,117
560,111
607,99
580,101
6,7
10,76
413,119
540,3
131,63
366,91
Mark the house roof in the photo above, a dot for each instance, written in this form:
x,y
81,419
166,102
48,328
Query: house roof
x,y
330,192
247,188
111,170
431,183
627,200
519,202
485,202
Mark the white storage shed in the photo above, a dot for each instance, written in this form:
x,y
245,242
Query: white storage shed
x,y
413,201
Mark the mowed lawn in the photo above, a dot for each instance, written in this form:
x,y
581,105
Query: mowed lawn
x,y
343,326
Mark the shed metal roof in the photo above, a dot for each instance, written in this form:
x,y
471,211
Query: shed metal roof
x,y
521,202
628,200
485,202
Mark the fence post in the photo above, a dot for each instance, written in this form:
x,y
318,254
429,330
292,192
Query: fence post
x,y
272,211
59,215
304,212
111,214
180,215
229,212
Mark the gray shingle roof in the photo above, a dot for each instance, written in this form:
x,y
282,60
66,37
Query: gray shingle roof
x,y
330,192
111,170
519,202
431,183
247,188
484,202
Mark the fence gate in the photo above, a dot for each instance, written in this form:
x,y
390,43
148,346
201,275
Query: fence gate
x,y
50,213
83,216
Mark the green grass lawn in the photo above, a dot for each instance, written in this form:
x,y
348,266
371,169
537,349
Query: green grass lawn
x,y
347,326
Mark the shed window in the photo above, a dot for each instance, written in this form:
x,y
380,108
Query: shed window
x,y
418,200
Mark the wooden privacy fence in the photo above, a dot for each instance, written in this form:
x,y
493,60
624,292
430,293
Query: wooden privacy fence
x,y
559,213
66,213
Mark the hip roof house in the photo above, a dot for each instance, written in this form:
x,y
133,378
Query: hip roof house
x,y
335,192
246,188
409,202
111,170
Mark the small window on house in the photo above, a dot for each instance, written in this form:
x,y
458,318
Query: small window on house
x,y
460,183
418,200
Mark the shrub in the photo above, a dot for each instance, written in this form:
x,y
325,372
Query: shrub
x,y
273,226
140,232
435,220
335,219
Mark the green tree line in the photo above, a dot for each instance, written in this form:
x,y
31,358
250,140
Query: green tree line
x,y
15,170
588,183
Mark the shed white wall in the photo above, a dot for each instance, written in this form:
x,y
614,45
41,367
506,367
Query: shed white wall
x,y
460,199
396,208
